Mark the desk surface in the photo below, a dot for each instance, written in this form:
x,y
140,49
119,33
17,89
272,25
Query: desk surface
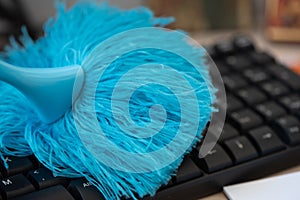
x,y
285,52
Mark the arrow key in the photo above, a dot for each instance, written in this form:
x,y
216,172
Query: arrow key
x,y
266,140
241,149
288,127
215,160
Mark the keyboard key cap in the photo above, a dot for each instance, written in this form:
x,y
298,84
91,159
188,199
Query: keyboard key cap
x,y
261,58
274,88
233,103
14,186
266,140
270,110
16,165
164,186
215,160
245,119
243,43
289,129
228,132
238,62
222,67
234,81
81,189
251,95
224,48
286,75
256,75
241,149
43,178
291,102
187,171
53,193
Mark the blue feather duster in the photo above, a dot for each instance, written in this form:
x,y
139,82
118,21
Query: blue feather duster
x,y
143,87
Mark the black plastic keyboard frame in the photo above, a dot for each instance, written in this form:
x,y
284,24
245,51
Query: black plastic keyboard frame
x,y
260,167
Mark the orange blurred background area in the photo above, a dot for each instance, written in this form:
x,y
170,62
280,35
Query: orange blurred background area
x,y
275,22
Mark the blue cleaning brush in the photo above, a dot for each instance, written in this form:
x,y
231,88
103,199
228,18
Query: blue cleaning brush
x,y
104,96
50,90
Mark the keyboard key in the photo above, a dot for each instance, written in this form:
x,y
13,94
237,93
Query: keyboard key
x,y
274,88
14,186
266,140
289,129
251,95
166,185
228,132
187,171
243,43
270,110
43,178
245,119
215,160
224,48
241,149
53,193
286,75
238,62
256,75
233,103
234,81
81,189
222,67
261,58
16,165
291,102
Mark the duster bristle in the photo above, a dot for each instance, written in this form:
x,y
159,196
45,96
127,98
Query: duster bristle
x,y
78,36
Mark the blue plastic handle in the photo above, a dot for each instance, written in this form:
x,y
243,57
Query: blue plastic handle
x,y
50,90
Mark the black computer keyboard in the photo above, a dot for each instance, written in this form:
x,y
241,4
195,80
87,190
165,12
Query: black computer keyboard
x,y
261,135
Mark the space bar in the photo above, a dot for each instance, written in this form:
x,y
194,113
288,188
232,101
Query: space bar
x,y
58,193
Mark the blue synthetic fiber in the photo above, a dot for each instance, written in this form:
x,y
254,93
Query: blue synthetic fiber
x,y
75,36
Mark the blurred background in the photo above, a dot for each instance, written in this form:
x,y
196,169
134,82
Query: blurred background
x,y
273,23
